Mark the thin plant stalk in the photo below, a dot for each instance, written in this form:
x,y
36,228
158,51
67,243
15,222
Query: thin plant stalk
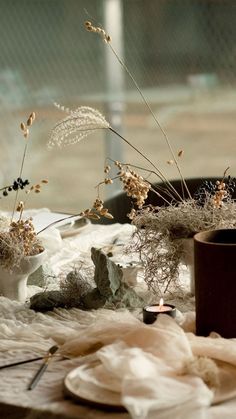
x,y
107,39
153,186
20,175
160,174
58,221
74,118
153,115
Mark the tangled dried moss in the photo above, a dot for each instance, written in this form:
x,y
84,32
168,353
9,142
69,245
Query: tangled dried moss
x,y
76,284
159,230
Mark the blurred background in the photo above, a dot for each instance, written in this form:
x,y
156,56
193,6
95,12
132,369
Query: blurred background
x,y
182,53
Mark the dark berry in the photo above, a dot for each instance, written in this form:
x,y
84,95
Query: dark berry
x,y
5,193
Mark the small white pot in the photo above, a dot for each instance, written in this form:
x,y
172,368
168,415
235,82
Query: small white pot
x,y
13,285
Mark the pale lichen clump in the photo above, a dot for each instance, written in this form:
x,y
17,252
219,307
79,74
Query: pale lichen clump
x,y
160,231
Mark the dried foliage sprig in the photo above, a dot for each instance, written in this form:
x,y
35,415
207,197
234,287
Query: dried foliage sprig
x,y
25,131
135,185
16,243
85,120
77,125
108,40
18,237
19,183
159,243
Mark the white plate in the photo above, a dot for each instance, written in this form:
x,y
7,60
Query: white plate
x,y
67,226
90,394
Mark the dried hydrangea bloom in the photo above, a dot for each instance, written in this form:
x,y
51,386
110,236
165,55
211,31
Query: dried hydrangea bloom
x,y
78,124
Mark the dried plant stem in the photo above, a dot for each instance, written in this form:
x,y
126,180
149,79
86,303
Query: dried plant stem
x,y
20,175
5,187
159,173
166,189
58,221
153,115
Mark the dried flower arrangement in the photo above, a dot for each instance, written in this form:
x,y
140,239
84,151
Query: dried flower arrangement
x,y
159,229
18,237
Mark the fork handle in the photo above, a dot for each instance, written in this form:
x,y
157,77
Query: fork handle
x,y
37,376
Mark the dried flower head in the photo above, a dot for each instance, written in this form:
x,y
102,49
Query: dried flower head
x,y
25,127
24,232
18,237
97,29
134,185
18,241
97,211
77,125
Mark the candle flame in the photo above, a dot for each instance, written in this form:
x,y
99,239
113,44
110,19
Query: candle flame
x,y
161,303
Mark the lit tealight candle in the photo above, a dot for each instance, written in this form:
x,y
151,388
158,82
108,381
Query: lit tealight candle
x,y
151,312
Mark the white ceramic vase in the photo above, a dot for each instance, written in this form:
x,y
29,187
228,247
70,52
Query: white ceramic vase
x,y
188,260
13,285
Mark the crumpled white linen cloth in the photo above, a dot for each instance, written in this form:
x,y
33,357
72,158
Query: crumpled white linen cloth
x,y
144,364
147,365
65,253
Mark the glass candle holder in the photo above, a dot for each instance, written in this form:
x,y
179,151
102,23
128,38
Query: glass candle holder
x,y
151,312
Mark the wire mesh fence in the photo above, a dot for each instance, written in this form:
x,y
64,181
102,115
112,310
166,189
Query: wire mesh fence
x,y
177,50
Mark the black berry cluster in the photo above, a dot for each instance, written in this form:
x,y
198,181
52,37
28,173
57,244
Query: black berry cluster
x,y
19,183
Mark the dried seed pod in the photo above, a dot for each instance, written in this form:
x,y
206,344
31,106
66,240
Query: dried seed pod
x,y
20,206
32,116
104,211
107,169
26,133
93,216
22,126
44,181
108,215
29,122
